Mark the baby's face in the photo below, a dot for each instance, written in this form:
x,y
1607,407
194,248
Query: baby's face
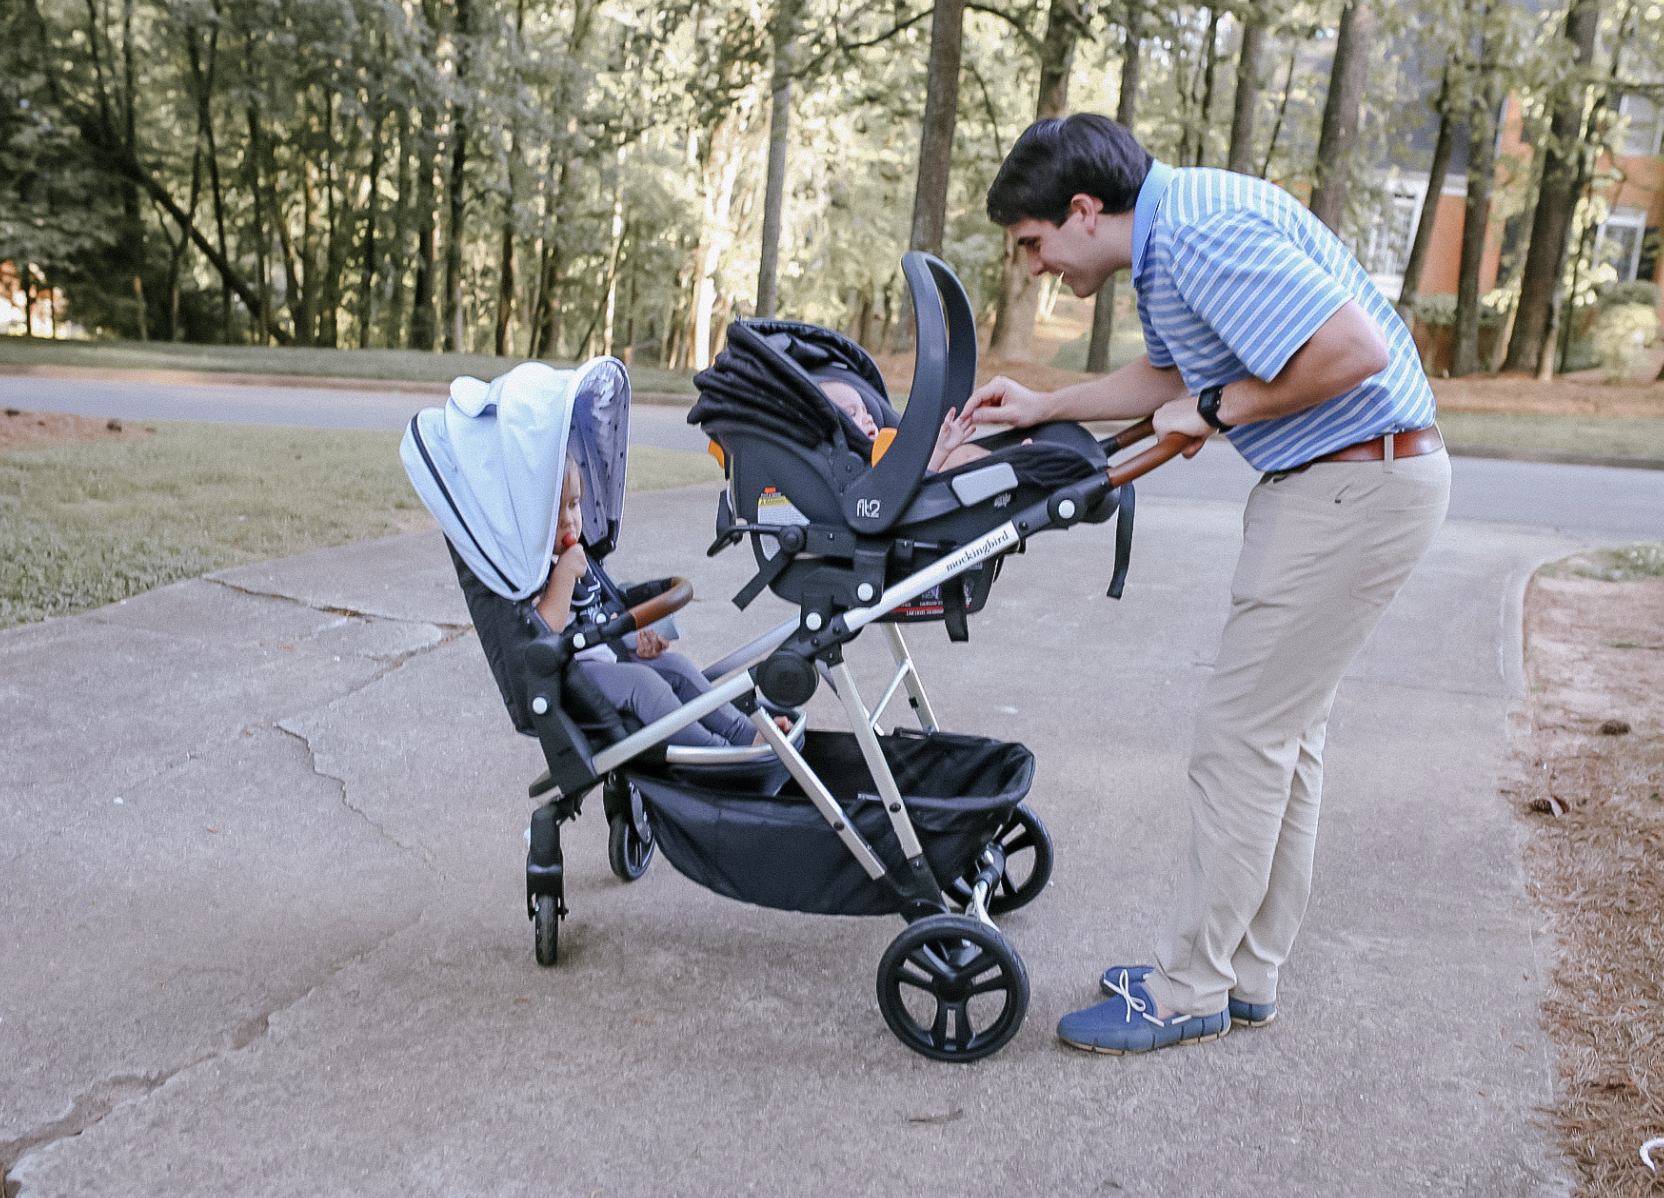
x,y
848,401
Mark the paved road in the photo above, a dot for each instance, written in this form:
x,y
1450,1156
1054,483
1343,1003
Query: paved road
x,y
1591,499
263,925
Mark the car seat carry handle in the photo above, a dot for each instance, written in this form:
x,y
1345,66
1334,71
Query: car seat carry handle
x,y
944,374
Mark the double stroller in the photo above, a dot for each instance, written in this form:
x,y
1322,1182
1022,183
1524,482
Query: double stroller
x,y
926,824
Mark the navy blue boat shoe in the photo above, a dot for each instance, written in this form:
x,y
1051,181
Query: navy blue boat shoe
x,y
1127,1022
1112,976
1252,1014
1243,1014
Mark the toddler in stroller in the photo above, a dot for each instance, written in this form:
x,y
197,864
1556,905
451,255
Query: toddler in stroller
x,y
637,674
928,825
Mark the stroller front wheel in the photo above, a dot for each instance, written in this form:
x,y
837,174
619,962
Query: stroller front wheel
x,y
952,988
546,928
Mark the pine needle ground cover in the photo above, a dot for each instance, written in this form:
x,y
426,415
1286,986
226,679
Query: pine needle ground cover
x,y
1591,785
89,523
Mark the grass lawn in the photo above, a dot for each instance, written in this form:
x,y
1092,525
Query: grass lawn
x,y
403,365
1626,436
85,524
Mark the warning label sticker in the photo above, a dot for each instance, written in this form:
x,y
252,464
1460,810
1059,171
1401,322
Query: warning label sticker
x,y
774,508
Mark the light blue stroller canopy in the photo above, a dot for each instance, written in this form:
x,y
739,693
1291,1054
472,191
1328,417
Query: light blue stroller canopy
x,y
488,465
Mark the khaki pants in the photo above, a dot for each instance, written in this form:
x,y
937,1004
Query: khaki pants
x,y
1323,552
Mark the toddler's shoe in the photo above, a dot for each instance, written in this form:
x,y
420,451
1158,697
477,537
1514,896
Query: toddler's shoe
x,y
1127,1022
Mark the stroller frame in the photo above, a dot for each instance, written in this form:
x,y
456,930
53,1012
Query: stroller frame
x,y
888,518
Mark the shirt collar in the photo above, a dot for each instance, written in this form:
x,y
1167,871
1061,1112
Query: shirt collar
x,y
1144,212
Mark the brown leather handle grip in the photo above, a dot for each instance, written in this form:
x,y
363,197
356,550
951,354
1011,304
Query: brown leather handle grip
x,y
1165,450
672,599
1131,435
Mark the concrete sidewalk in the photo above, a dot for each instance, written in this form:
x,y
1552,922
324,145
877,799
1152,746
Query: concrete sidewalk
x,y
263,923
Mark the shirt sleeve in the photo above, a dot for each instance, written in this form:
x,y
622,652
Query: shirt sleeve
x,y
1255,287
1160,356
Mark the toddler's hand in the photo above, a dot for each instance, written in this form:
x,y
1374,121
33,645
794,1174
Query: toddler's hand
x,y
650,644
572,562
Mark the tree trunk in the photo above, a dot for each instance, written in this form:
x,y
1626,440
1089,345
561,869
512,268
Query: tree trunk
x,y
457,184
1240,155
422,326
930,199
503,342
263,318
1103,308
1282,111
1430,202
1019,291
1551,224
1340,111
779,122
367,276
1209,71
1476,216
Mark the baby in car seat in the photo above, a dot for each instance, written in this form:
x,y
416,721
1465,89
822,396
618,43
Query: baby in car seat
x,y
648,682
953,444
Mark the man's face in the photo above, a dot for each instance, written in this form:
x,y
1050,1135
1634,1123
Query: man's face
x,y
1068,249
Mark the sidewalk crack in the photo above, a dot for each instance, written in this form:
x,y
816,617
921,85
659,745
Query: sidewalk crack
x,y
98,1102
346,800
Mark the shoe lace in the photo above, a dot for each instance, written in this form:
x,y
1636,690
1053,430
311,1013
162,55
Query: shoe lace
x,y
1122,987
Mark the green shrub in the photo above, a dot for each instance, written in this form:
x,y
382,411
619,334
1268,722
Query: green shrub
x,y
1621,335
1640,292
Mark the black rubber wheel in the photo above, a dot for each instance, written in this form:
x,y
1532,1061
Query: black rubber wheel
x,y
1028,863
627,853
546,929
952,988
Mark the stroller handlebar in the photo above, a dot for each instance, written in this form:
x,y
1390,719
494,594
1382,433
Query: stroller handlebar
x,y
1165,450
672,599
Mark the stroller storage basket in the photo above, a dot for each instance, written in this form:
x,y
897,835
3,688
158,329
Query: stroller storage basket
x,y
778,851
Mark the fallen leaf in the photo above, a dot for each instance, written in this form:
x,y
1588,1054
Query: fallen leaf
x,y
213,829
1614,728
955,1113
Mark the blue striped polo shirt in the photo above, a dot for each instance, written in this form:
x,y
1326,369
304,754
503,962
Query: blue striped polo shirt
x,y
1234,275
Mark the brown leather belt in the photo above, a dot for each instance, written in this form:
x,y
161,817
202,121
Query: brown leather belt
x,y
1410,444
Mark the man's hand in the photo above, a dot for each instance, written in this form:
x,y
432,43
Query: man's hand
x,y
1180,416
1001,401
650,644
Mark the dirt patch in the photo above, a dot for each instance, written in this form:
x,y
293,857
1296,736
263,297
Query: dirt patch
x,y
1591,767
36,430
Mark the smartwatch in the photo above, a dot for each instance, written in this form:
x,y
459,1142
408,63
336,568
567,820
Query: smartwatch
x,y
1207,407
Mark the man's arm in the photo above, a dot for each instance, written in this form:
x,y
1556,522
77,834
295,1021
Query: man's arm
x,y
1135,390
1346,349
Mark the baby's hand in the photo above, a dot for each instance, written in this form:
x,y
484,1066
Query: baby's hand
x,y
650,644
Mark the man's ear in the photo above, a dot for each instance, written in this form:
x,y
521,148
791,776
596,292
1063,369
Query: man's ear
x,y
1088,208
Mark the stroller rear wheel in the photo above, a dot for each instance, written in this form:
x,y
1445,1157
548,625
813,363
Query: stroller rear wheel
x,y
1028,863
546,928
952,988
627,852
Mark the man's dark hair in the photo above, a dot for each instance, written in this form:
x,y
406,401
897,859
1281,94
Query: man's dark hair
x,y
1057,159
